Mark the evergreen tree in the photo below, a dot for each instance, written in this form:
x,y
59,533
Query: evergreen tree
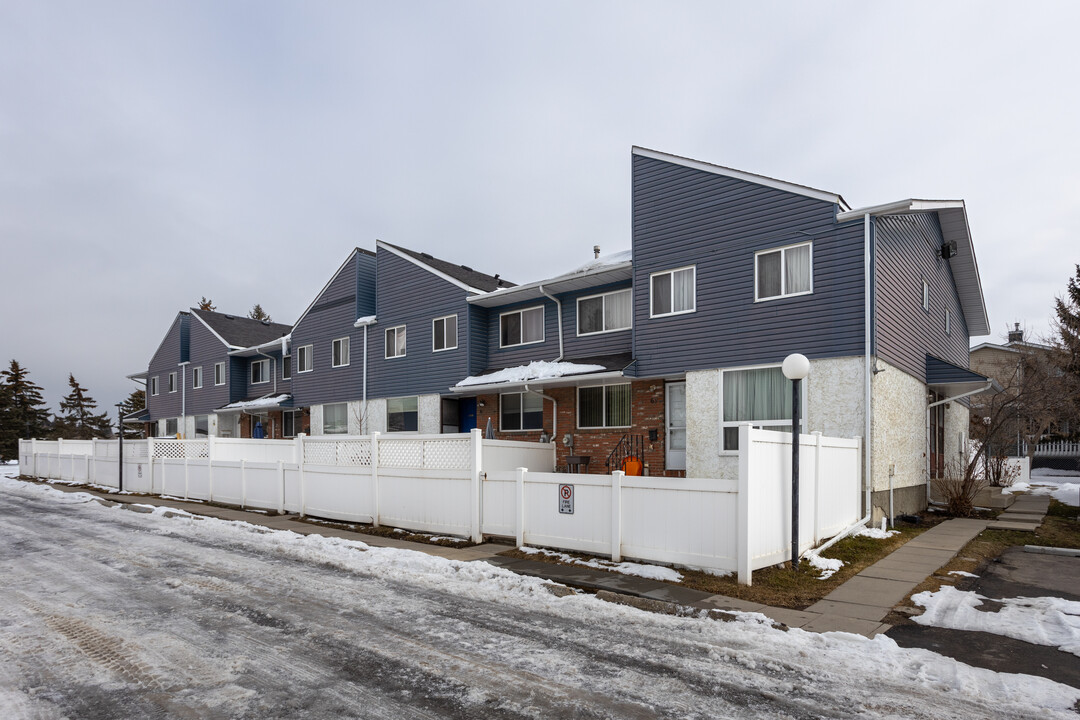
x,y
22,410
135,401
1067,343
79,421
207,305
257,313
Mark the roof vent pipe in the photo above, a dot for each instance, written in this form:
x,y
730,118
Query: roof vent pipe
x,y
1016,335
596,252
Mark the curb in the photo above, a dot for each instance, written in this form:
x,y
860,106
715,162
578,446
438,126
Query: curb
x,y
1042,550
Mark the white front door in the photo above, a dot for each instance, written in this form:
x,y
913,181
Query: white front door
x,y
676,426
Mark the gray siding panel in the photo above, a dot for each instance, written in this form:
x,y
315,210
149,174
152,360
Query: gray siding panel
x,y
206,350
166,360
411,296
609,343
478,339
907,251
365,284
499,357
683,216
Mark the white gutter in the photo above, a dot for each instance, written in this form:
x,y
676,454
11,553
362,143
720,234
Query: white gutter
x,y
364,322
989,384
558,306
183,397
554,411
868,478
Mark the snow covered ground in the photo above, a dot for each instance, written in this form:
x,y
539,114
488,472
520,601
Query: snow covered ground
x,y
10,469
113,613
652,572
1062,485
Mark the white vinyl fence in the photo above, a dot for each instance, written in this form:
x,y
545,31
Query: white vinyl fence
x,y
467,486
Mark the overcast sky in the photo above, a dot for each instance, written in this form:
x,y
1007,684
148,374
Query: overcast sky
x,y
152,153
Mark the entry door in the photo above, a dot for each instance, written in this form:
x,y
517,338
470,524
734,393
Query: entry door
x,y
676,426
467,414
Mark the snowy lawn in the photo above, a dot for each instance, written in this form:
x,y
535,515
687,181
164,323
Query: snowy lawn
x,y
10,469
1062,485
827,567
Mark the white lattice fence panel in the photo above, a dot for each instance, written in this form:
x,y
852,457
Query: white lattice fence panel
x,y
447,454
354,453
173,450
401,454
318,452
180,449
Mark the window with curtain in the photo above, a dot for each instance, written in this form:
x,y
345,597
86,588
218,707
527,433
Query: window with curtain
x,y
219,373
604,313
260,371
604,406
335,419
784,271
521,411
340,352
304,359
521,327
444,333
395,342
673,292
402,414
196,377
760,396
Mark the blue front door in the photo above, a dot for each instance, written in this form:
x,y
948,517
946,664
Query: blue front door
x,y
467,414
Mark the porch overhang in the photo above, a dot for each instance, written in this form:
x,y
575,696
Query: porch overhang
x,y
280,401
614,268
137,417
281,343
519,385
951,380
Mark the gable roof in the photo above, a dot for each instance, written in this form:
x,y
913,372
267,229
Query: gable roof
x,y
461,275
179,318
743,175
240,332
352,253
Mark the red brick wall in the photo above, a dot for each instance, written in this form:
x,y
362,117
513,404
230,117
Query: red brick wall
x,y
647,410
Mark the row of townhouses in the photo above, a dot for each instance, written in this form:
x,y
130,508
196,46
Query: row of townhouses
x,y
658,353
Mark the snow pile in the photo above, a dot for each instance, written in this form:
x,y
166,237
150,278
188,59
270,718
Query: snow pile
x,y
536,370
874,533
1042,621
827,566
651,572
961,573
265,401
1053,472
10,469
604,261
1045,482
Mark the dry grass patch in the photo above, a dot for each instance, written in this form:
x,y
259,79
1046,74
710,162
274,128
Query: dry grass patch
x,y
779,586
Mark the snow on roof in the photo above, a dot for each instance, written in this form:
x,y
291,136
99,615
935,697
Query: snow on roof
x,y
265,401
617,258
536,370
366,320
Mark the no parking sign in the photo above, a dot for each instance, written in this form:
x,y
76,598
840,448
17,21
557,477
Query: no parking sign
x,y
566,499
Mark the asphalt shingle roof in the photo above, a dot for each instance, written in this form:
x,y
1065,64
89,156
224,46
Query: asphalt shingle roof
x,y
462,273
242,331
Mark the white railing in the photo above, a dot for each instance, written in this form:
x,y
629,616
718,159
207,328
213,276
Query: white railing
x,y
467,486
1057,449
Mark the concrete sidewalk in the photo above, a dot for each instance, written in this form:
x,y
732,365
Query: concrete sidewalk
x,y
858,606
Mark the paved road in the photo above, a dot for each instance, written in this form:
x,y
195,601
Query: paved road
x,y
107,613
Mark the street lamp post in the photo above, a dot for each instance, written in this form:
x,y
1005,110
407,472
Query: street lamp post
x,y
795,368
120,447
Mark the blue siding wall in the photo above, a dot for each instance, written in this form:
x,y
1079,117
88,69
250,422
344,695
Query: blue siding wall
x,y
255,391
907,251
411,296
205,351
478,339
499,357
331,317
684,216
608,343
169,355
365,284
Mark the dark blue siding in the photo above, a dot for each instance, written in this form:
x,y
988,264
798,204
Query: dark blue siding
x,y
478,339
412,296
330,317
684,216
499,357
365,284
609,343
907,251
206,350
167,359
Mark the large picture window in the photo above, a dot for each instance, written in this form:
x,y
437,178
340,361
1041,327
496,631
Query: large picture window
x,y
340,352
260,371
760,396
335,419
604,406
673,292
521,411
444,333
402,414
521,327
395,342
783,272
604,313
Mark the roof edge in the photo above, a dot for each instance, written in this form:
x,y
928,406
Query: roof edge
x,y
438,273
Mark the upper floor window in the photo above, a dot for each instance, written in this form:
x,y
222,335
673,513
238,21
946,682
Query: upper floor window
x,y
444,333
521,327
340,352
760,396
260,371
926,296
395,341
304,359
521,411
604,406
286,368
604,313
335,419
219,373
673,292
402,414
783,272
154,385
196,377
172,382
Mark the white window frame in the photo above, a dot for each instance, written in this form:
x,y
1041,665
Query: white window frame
x,y
219,373
154,385
925,295
522,311
305,352
265,373
403,397
395,330
196,377
286,362
522,413
172,382
335,352
603,312
760,424
783,250
605,426
335,405
444,318
672,272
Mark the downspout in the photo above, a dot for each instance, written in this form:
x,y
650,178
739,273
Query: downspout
x,y
933,405
558,307
183,399
273,365
554,411
868,479
363,413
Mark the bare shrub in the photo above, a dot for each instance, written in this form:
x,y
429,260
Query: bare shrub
x,y
1000,472
959,486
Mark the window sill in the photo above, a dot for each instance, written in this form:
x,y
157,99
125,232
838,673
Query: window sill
x,y
605,332
783,297
517,345
672,314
